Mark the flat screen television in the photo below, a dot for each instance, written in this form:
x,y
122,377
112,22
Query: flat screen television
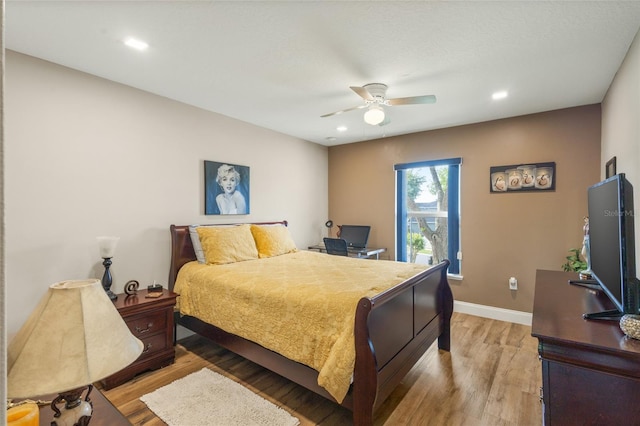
x,y
612,245
356,236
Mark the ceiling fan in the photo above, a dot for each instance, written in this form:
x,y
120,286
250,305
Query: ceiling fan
x,y
374,95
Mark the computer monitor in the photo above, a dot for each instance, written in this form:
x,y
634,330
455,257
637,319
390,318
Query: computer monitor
x,y
356,236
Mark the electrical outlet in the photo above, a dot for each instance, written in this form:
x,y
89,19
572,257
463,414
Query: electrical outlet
x,y
513,283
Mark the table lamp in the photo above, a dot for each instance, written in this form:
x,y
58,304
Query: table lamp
x,y
107,251
73,338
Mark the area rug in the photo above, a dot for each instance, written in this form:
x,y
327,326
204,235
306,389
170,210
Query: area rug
x,y
206,398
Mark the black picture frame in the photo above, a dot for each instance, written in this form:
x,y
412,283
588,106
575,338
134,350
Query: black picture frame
x,y
610,168
525,177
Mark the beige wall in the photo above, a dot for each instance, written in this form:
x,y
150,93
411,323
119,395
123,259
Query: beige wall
x,y
503,235
88,157
621,126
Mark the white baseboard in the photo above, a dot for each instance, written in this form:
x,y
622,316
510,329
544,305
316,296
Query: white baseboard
x,y
518,317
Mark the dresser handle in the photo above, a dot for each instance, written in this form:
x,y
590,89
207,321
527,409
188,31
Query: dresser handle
x,y
144,330
147,347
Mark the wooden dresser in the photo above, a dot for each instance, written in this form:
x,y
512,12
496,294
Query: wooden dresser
x,y
150,320
590,369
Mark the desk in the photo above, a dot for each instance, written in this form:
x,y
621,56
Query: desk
x,y
590,370
361,253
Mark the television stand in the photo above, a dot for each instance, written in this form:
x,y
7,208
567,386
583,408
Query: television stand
x,y
611,315
590,284
590,370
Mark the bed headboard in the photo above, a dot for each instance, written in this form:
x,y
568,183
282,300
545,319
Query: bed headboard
x,y
182,249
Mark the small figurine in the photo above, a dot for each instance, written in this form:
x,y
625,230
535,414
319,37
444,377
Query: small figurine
x,y
586,250
131,287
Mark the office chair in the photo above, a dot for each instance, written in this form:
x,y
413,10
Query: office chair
x,y
336,246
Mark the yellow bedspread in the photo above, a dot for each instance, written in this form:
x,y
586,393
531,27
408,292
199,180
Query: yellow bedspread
x,y
301,305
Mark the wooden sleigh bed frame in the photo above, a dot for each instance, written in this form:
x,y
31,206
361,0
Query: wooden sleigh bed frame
x,y
392,331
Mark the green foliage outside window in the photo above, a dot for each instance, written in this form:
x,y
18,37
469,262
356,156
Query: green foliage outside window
x,y
416,244
437,186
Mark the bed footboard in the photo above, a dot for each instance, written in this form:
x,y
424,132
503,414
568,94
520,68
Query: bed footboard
x,y
393,330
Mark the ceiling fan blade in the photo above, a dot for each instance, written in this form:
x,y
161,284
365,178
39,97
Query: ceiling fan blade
x,y
344,110
362,92
426,99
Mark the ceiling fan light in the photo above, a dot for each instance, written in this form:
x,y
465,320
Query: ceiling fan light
x,y
374,115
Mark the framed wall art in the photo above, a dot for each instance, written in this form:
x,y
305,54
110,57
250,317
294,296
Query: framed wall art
x,y
226,188
610,168
523,177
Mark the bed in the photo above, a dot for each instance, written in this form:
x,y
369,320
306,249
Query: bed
x,y
392,329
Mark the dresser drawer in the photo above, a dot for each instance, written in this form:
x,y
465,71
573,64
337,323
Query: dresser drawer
x,y
152,345
146,324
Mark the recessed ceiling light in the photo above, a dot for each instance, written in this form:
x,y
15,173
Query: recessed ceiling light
x,y
136,44
342,128
500,95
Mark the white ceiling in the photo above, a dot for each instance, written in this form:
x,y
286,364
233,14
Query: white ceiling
x,y
281,65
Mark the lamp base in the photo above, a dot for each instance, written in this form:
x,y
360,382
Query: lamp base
x,y
76,412
107,280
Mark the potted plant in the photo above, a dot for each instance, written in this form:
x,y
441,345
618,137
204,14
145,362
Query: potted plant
x,y
574,262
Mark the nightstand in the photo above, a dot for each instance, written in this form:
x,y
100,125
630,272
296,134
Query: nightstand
x,y
150,320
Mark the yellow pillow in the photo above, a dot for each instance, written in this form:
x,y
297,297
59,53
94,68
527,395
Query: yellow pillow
x,y
227,244
272,240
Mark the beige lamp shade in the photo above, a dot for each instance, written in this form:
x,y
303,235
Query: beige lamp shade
x,y
73,338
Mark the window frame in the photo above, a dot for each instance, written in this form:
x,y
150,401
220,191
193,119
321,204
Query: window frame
x,y
453,208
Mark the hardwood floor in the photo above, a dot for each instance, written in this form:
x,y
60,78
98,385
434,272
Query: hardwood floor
x,y
492,376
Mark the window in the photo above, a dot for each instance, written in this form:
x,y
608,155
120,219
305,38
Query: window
x,y
428,212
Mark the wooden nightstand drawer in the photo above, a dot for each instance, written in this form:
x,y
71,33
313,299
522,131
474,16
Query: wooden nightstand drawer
x,y
144,325
151,321
152,345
